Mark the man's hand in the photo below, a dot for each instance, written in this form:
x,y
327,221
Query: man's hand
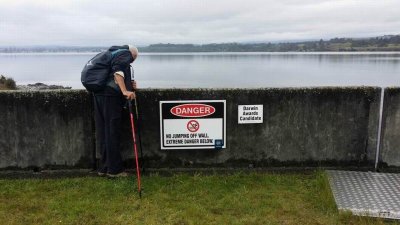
x,y
134,86
129,95
120,81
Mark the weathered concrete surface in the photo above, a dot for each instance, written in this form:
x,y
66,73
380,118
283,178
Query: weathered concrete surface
x,y
47,129
390,147
302,127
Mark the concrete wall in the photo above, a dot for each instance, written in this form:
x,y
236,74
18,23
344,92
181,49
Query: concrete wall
x,y
302,127
45,129
390,147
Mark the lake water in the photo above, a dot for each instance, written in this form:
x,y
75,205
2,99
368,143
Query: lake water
x,y
218,70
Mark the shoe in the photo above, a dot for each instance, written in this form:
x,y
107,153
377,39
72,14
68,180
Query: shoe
x,y
102,172
122,174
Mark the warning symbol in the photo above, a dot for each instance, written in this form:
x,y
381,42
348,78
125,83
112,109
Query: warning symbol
x,y
193,126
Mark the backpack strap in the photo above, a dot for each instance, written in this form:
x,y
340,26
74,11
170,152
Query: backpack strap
x,y
114,53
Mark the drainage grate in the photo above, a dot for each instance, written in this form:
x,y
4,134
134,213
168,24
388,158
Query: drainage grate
x,y
366,193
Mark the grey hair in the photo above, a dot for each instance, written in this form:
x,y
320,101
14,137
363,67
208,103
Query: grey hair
x,y
134,51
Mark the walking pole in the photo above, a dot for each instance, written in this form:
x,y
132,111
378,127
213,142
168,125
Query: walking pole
x,y
135,148
139,124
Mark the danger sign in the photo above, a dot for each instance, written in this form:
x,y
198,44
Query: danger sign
x,y
197,124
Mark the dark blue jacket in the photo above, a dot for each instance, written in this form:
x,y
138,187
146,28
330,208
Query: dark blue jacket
x,y
121,60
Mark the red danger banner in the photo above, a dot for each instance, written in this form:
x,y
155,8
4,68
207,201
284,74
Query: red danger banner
x,y
192,110
196,124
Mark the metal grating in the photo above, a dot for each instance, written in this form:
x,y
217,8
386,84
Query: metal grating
x,y
366,193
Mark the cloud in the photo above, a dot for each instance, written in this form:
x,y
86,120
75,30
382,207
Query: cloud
x,y
89,22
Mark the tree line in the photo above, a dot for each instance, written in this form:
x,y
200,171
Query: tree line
x,y
382,43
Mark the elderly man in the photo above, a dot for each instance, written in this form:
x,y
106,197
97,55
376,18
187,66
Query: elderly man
x,y
108,109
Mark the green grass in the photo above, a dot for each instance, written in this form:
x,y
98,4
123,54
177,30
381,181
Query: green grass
x,y
255,198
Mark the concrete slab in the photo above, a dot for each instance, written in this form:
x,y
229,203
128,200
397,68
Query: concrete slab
x,y
366,193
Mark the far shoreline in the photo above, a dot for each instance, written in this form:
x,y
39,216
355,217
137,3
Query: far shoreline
x,y
213,53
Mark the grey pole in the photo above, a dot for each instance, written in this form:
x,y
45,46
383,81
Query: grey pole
x,y
378,144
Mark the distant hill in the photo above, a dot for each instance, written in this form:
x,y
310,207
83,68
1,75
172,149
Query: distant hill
x,y
50,49
382,43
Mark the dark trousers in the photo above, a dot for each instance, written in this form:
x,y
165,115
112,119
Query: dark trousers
x,y
108,113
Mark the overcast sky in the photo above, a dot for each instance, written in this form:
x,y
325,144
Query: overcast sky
x,y
143,22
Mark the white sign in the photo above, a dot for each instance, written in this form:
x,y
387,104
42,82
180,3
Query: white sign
x,y
250,114
196,124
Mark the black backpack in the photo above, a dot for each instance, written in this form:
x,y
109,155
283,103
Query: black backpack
x,y
96,72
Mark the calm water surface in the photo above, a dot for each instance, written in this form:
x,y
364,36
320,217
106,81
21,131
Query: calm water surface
x,y
218,70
